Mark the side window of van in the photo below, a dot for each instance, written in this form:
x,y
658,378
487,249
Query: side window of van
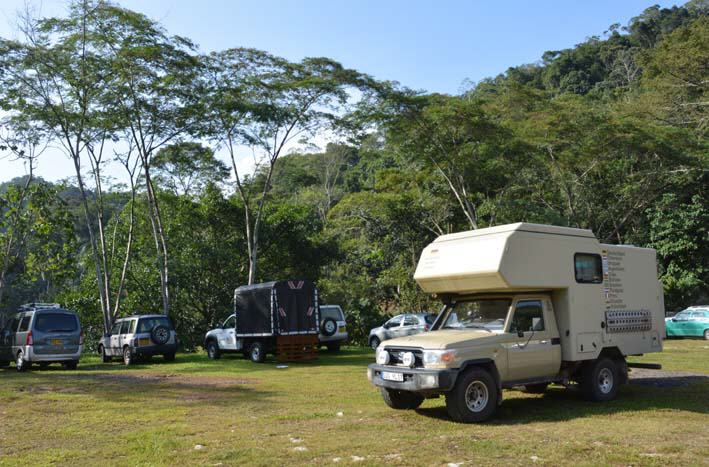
x,y
133,323
116,329
588,268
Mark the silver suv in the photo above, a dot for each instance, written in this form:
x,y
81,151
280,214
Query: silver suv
x,y
400,326
139,337
41,333
333,329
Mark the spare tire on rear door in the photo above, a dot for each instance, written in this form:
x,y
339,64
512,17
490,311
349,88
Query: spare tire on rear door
x,y
160,334
328,327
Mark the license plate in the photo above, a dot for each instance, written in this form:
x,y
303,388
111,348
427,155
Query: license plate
x,y
341,329
389,376
143,341
56,342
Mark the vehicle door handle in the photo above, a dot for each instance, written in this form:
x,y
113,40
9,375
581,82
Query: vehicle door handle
x,y
544,341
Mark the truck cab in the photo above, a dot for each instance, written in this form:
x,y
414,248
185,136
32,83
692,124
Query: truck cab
x,y
524,305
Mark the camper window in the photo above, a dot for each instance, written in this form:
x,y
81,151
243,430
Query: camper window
x,y
588,269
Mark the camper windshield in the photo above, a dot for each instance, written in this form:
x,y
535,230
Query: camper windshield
x,y
486,313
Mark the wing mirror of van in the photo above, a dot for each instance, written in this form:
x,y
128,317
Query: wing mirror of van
x,y
520,333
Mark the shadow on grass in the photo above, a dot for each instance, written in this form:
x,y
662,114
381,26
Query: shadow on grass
x,y
684,393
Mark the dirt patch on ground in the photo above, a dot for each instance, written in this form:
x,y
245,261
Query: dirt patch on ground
x,y
177,379
664,379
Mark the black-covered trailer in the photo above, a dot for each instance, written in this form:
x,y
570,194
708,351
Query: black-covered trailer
x,y
279,317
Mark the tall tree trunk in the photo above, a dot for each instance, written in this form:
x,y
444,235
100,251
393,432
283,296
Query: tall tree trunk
x,y
159,237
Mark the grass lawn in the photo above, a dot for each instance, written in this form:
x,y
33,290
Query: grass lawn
x,y
200,412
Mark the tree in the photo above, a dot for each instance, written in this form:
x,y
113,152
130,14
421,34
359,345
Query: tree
x,y
266,102
187,168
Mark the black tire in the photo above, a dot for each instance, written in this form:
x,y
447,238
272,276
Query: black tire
x,y
401,400
706,334
333,347
20,363
213,350
328,327
600,380
539,388
257,353
105,358
160,335
127,356
474,396
374,342
169,357
71,365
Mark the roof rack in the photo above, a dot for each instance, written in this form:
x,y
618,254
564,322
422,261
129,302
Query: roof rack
x,y
36,305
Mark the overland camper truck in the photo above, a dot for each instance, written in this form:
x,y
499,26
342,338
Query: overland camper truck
x,y
280,318
524,305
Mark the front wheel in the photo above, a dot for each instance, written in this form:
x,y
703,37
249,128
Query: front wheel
x,y
213,350
706,334
473,398
401,400
600,380
257,353
105,358
374,342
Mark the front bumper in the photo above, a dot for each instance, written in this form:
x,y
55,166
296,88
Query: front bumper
x,y
149,350
414,379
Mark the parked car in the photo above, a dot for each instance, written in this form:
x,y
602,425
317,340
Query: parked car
x,y
42,333
333,329
139,337
221,339
400,326
692,322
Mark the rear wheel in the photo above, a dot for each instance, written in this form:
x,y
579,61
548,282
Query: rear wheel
x,y
374,342
257,353
706,334
127,356
213,350
600,380
20,363
401,400
105,358
71,365
473,398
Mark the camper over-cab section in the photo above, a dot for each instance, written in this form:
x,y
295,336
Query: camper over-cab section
x,y
603,295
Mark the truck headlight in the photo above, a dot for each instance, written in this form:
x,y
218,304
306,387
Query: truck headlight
x,y
437,358
382,356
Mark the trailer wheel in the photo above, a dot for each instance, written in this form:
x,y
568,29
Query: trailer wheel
x,y
257,353
473,398
600,380
401,400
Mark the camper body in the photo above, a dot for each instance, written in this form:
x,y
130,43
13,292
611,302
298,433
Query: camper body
x,y
524,305
280,318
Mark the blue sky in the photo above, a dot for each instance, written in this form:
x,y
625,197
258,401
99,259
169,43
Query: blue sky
x,y
434,46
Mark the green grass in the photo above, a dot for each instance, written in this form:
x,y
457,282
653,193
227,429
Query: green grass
x,y
245,413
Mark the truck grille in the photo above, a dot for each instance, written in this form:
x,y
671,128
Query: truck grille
x,y
397,354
